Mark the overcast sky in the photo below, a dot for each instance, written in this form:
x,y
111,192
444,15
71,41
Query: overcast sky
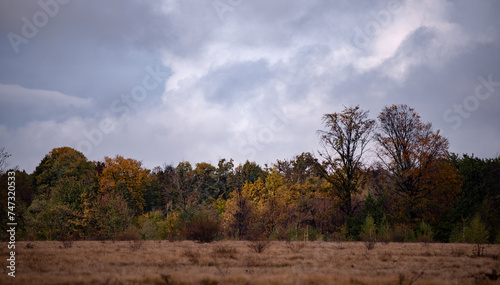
x,y
170,81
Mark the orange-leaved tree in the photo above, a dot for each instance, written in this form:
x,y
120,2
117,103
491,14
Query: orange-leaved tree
x,y
127,178
412,153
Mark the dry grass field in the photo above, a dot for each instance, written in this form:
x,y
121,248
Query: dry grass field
x,y
234,262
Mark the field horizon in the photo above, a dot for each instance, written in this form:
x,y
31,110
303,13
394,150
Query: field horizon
x,y
237,262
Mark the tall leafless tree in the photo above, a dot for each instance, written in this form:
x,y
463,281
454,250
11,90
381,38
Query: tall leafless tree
x,y
344,142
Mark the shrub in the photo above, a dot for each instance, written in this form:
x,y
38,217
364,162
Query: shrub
x,y
384,231
47,220
411,236
110,215
224,252
399,233
136,244
313,234
368,232
342,234
298,234
258,246
257,231
171,228
203,226
150,224
477,234
292,233
457,234
368,228
369,243
425,233
148,230
131,233
239,217
68,243
280,234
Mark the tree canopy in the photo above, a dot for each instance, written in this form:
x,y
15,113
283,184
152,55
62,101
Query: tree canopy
x,y
412,189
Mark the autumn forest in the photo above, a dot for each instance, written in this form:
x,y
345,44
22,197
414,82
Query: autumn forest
x,y
390,178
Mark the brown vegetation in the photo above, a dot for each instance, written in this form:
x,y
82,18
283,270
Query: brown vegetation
x,y
233,262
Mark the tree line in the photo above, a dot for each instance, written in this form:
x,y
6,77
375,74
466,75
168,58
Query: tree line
x,y
408,188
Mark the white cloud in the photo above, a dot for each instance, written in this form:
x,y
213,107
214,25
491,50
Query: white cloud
x,y
422,34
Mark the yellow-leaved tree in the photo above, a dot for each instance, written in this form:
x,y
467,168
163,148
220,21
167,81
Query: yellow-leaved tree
x,y
127,178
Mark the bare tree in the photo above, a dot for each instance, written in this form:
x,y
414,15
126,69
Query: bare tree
x,y
3,159
344,142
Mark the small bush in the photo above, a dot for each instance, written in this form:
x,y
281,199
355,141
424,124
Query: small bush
x,y
258,246
149,230
384,231
313,235
457,234
66,244
411,236
223,269
368,233
149,225
202,227
280,234
171,229
425,233
131,233
136,244
112,216
369,243
298,234
477,234
67,240
342,234
368,228
224,252
399,233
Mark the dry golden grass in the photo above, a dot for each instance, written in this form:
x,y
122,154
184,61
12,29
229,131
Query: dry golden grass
x,y
233,262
